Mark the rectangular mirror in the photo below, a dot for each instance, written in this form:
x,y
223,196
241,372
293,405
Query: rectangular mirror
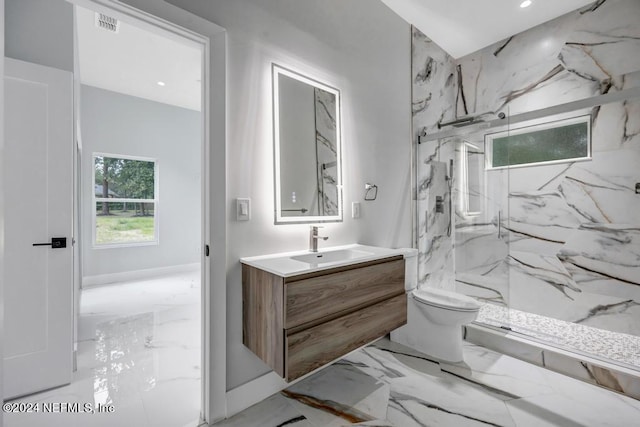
x,y
307,147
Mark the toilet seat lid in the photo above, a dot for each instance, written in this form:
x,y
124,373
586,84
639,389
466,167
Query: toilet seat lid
x,y
446,299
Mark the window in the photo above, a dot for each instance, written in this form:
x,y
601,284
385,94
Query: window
x,y
125,201
553,142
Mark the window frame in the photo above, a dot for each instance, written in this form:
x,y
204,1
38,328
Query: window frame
x,y
489,138
155,201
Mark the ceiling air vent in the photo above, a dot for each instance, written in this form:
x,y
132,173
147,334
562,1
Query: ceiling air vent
x,y
107,22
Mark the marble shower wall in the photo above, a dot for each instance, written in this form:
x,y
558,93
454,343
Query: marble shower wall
x,y
589,52
567,244
572,231
434,91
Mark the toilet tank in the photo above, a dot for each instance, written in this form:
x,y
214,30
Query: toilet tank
x,y
410,268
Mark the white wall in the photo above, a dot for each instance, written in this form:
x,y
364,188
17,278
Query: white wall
x,y
40,31
114,123
359,47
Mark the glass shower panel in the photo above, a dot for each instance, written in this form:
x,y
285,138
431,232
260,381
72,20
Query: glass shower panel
x,y
575,234
544,227
481,231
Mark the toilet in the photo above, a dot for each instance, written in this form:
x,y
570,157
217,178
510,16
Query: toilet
x,y
434,317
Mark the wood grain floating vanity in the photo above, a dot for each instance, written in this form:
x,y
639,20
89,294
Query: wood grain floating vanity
x,y
297,318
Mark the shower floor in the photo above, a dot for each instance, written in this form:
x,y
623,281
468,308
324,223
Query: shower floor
x,y
610,346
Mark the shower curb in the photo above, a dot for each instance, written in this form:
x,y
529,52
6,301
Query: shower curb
x,y
619,379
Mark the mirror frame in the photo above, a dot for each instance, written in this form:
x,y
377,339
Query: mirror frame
x,y
276,72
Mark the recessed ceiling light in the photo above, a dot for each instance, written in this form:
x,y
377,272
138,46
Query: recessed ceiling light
x,y
161,83
525,3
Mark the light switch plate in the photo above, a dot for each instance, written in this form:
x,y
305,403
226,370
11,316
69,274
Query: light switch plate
x,y
355,210
243,209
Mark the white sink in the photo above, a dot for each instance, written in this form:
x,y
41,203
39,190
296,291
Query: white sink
x,y
301,262
318,258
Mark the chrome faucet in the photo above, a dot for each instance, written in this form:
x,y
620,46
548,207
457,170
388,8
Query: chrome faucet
x,y
313,238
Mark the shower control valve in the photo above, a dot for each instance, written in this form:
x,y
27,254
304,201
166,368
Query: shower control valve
x,y
439,204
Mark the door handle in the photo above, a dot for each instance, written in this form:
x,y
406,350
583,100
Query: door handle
x,y
56,243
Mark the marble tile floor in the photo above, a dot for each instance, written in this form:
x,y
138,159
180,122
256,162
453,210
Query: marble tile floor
x,y
139,351
386,384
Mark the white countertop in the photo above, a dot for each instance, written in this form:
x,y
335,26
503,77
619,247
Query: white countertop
x,y
283,265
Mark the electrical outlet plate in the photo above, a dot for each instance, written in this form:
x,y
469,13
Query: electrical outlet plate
x,y
243,209
355,210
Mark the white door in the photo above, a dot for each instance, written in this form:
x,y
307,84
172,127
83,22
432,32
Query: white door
x,y
38,282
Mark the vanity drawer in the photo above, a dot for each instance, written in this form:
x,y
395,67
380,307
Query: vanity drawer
x,y
314,347
310,299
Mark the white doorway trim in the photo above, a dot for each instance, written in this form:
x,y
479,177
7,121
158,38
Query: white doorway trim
x,y
161,16
2,215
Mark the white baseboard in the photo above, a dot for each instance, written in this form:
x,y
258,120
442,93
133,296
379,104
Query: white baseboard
x,y
246,395
125,276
